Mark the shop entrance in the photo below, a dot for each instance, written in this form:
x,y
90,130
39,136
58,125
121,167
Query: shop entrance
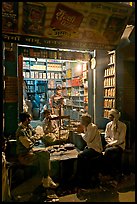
x,y
43,69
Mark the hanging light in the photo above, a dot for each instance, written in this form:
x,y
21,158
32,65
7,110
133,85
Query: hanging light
x,y
93,63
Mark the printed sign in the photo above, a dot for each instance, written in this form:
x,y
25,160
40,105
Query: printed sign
x,y
33,18
66,19
10,17
115,28
11,89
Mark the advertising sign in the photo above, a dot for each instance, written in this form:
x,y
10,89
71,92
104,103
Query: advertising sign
x,y
82,25
11,89
33,18
66,19
10,17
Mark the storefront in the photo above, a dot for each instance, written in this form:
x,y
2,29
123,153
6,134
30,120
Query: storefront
x,y
47,53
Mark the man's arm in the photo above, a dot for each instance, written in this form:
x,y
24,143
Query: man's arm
x,y
107,134
26,142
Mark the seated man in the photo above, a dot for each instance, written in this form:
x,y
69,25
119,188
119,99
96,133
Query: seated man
x,y
51,130
26,138
115,134
93,149
6,194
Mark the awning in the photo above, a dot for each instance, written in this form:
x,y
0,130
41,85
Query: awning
x,y
77,25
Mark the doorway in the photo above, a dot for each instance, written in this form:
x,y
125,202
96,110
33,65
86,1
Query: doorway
x,y
43,69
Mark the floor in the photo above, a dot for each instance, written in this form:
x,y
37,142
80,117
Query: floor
x,y
32,191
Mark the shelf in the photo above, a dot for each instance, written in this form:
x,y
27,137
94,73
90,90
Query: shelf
x,y
112,63
111,75
107,97
34,79
54,71
107,107
38,70
105,87
109,84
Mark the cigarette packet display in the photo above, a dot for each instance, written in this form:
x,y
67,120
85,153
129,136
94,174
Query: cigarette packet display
x,y
27,74
52,75
32,74
40,75
36,75
48,75
44,75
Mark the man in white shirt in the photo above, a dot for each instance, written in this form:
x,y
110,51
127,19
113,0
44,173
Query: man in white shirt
x,y
115,135
93,149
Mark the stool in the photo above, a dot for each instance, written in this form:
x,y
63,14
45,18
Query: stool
x,y
19,173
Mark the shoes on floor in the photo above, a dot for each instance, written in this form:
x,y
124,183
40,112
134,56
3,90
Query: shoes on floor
x,y
49,183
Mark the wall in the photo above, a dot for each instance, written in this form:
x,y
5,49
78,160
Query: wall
x,y
10,106
102,61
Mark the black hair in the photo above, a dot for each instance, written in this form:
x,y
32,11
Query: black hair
x,y
86,119
59,87
23,116
47,111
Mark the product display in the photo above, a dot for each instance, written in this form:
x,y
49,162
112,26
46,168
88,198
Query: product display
x,y
42,75
76,89
109,84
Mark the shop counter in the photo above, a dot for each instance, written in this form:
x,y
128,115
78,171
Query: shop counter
x,y
63,161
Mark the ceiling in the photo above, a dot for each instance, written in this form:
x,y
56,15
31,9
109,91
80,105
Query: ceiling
x,y
97,24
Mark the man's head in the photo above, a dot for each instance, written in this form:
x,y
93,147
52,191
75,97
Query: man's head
x,y
47,113
25,118
59,89
114,114
86,119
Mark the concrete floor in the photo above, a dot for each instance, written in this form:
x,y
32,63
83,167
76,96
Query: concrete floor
x,y
31,191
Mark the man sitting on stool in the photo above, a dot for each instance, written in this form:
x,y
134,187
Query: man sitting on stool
x,y
93,149
51,130
115,134
27,155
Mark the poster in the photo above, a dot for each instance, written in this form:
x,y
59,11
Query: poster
x,y
66,19
83,25
11,89
10,17
33,19
115,28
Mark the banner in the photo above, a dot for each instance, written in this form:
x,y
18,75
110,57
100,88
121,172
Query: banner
x,y
11,90
66,19
10,17
33,19
87,25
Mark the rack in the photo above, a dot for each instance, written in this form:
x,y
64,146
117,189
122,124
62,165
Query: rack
x,y
110,84
41,75
75,85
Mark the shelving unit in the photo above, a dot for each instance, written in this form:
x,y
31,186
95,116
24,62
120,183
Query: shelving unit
x,y
44,69
41,75
110,84
75,85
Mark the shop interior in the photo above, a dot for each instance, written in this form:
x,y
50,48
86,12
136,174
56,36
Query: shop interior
x,y
46,68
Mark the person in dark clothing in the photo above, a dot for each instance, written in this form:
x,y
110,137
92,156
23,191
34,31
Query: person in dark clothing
x,y
57,101
27,155
6,194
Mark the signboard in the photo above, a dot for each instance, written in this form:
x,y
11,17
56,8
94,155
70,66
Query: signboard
x,y
65,18
77,25
33,18
11,89
10,17
56,43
